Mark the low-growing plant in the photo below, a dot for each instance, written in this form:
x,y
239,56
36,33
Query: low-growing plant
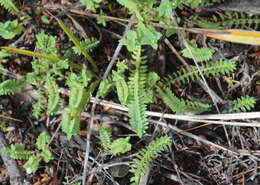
x,y
10,29
242,104
134,91
145,156
178,105
9,87
134,84
32,157
189,74
225,20
116,147
80,92
48,69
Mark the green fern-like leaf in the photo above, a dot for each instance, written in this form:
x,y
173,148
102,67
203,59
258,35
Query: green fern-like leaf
x,y
105,87
143,35
77,43
42,141
39,104
10,29
175,104
120,146
38,107
243,104
8,87
42,144
130,4
200,54
88,44
70,125
152,79
227,20
202,23
17,151
137,85
191,73
121,87
32,164
9,6
53,98
118,78
46,155
81,79
238,20
79,96
196,107
71,117
46,43
178,105
145,156
105,137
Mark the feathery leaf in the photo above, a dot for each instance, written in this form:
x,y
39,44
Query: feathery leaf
x,y
73,38
243,104
179,105
145,156
9,6
105,137
17,151
191,73
137,85
8,87
53,98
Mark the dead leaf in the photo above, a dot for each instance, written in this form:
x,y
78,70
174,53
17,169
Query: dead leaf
x,y
233,35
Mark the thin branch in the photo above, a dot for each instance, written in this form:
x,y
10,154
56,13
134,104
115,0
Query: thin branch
x,y
233,116
133,21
